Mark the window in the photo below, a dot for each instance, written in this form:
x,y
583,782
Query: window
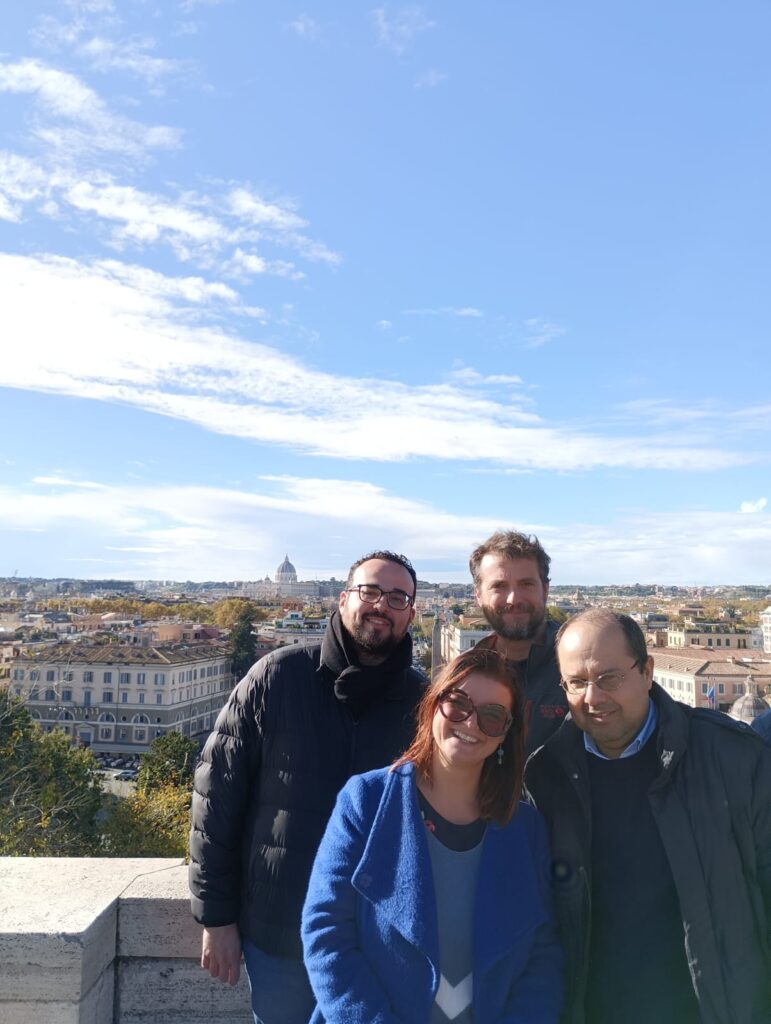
x,y
125,678
88,677
142,697
50,675
139,735
719,642
720,688
34,675
160,678
107,677
50,695
66,694
159,698
87,698
705,688
141,678
68,676
18,674
106,696
709,641
727,642
738,688
124,698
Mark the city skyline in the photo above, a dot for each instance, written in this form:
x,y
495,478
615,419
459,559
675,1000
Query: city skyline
x,y
390,276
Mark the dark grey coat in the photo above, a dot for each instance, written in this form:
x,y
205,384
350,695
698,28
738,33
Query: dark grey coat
x,y
281,750
712,806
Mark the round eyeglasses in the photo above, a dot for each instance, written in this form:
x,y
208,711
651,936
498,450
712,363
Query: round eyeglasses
x,y
492,719
370,593
605,681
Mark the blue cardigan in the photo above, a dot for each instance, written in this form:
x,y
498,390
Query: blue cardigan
x,y
369,923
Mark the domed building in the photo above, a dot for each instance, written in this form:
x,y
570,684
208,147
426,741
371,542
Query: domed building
x,y
750,705
286,572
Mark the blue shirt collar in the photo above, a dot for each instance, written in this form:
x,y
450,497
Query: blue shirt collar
x,y
637,743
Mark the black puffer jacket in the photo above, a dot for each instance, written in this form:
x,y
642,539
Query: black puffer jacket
x,y
282,748
712,806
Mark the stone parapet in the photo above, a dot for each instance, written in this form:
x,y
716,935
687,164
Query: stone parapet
x,y
105,941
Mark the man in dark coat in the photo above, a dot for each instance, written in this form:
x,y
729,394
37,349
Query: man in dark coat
x,y
660,824
511,583
294,730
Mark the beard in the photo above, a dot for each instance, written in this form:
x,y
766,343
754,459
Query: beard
x,y
515,631
374,641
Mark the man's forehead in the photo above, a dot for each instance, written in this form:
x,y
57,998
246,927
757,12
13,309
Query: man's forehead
x,y
589,639
494,565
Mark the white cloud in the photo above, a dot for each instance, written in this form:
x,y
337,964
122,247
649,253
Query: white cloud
x,y
430,79
201,532
88,331
304,25
464,312
384,325
398,31
88,125
131,56
59,481
751,507
541,332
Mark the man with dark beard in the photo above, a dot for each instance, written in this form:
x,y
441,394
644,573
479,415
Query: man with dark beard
x,y
296,728
511,583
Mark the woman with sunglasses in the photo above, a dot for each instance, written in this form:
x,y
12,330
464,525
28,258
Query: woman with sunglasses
x,y
429,897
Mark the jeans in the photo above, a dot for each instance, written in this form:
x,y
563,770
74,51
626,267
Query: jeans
x,y
281,992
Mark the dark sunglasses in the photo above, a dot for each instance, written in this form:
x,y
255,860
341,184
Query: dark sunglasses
x,y
492,719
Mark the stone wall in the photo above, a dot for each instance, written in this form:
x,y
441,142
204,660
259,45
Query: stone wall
x,y
105,941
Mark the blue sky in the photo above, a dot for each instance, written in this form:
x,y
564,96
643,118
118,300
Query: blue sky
x,y
319,278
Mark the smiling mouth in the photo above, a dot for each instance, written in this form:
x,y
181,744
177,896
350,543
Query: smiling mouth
x,y
464,737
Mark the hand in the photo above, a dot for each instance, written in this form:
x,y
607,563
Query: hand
x,y
221,952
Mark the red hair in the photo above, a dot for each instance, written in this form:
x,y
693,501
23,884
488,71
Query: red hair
x,y
500,785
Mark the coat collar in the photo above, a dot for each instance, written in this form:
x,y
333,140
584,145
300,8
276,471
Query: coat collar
x,y
395,875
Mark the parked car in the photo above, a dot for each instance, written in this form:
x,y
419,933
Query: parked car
x,y
129,775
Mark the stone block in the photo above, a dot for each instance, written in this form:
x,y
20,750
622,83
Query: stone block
x,y
154,918
176,991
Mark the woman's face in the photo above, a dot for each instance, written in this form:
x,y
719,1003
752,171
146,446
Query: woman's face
x,y
463,744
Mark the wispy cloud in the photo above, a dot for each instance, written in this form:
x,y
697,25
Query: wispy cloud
x,y
204,532
59,481
304,25
73,120
398,30
81,330
752,507
541,332
430,79
459,311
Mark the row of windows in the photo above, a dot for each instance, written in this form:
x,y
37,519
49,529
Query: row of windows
x,y
124,678
672,684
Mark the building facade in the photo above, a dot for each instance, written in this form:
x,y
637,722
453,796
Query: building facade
x,y
119,698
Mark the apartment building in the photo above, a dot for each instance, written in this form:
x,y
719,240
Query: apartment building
x,y
118,697
705,680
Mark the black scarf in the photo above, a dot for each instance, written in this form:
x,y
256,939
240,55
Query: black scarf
x,y
357,685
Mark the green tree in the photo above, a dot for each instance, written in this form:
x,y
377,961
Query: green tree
x,y
170,761
151,823
50,791
243,651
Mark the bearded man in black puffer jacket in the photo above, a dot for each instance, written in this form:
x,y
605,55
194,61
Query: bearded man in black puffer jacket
x,y
294,730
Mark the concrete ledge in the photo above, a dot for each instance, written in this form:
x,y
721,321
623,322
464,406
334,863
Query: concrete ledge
x,y
105,941
182,994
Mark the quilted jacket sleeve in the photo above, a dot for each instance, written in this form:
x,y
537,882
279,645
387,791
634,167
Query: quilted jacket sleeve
x,y
223,783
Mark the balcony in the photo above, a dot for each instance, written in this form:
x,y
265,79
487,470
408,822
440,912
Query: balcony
x,y
103,941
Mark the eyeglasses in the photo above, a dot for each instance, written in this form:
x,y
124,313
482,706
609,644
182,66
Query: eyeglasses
x,y
492,719
605,681
371,594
